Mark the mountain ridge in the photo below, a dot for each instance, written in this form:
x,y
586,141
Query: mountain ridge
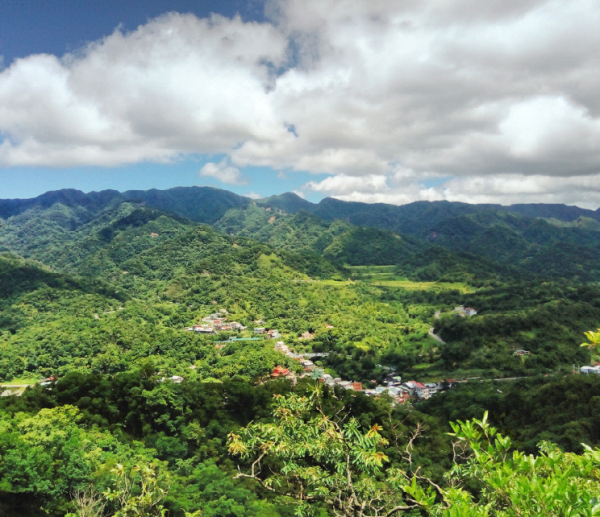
x,y
327,208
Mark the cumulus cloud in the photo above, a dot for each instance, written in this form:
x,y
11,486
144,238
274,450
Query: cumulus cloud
x,y
252,195
498,99
223,172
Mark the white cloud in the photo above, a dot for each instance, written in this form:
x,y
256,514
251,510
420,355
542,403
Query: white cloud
x,y
389,92
505,189
223,172
343,184
252,195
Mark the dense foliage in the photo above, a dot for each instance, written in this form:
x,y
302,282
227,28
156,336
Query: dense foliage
x,y
98,290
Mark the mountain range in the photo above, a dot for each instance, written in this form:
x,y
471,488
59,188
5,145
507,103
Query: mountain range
x,y
425,240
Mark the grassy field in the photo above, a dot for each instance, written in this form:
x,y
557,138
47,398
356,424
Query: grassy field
x,y
20,381
386,276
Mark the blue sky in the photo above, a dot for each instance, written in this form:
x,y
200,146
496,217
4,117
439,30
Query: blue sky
x,y
58,27
26,182
379,101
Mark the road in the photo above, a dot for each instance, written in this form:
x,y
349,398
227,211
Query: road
x,y
6,386
436,337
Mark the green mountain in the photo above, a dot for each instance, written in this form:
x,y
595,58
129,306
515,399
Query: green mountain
x,y
344,243
65,228
200,204
498,234
112,286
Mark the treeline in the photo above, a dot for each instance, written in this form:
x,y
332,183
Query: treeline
x,y
55,442
562,409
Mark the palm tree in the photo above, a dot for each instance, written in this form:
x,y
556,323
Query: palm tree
x,y
594,340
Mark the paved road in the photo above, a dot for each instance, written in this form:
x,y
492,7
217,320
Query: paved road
x,y
436,337
15,385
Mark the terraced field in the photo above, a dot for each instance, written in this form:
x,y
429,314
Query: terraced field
x,y
387,276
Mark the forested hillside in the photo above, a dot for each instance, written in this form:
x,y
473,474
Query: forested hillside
x,y
109,300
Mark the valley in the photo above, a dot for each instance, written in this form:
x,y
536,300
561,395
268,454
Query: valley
x,y
114,300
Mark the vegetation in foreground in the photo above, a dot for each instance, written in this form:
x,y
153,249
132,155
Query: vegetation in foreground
x,y
109,285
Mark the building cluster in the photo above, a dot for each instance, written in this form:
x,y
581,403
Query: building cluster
x,y
307,365
393,385
271,333
216,323
465,311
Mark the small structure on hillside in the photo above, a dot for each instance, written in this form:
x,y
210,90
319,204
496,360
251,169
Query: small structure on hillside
x,y
204,329
590,369
280,371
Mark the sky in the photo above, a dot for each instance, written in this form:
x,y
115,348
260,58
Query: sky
x,y
388,101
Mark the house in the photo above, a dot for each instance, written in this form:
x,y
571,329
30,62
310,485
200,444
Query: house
x,y
274,334
328,326
259,330
590,369
281,347
521,352
357,386
447,384
237,326
469,311
433,388
420,390
205,329
404,396
280,371
308,366
307,335
392,379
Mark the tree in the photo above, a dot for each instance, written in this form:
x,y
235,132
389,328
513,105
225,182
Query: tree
x,y
594,340
513,484
137,492
319,460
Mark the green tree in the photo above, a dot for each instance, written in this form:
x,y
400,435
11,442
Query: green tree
x,y
513,484
594,340
319,461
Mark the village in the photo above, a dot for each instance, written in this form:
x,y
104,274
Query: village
x,y
400,392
